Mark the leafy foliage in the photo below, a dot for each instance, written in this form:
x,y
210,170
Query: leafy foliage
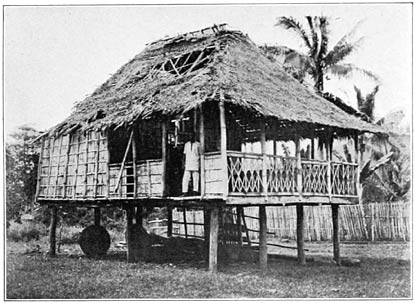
x,y
21,171
320,60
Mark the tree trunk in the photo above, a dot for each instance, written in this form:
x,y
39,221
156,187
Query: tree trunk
x,y
319,78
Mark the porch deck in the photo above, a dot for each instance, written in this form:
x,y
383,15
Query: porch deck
x,y
246,178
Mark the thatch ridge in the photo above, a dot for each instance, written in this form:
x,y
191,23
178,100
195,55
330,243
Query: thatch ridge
x,y
236,69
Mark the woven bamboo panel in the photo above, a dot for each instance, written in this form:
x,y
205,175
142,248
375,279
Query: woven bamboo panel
x,y
213,174
344,179
314,175
74,166
149,174
281,174
245,173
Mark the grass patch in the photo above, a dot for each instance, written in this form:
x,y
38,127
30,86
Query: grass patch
x,y
38,276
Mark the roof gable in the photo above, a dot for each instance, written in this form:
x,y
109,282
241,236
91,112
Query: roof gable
x,y
175,75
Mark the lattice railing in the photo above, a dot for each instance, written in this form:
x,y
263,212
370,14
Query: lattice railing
x,y
244,172
314,174
344,179
281,174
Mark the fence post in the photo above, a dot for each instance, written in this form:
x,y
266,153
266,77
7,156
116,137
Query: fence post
x,y
372,221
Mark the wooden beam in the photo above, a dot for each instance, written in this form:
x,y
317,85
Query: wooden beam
x,y
39,168
223,147
130,215
164,157
123,161
97,216
206,227
357,159
300,234
139,215
148,178
86,164
299,167
329,148
169,221
65,176
185,223
52,230
239,224
51,144
213,238
195,63
246,227
108,163
263,255
58,166
174,67
274,149
202,151
96,164
78,148
312,149
264,177
134,149
336,234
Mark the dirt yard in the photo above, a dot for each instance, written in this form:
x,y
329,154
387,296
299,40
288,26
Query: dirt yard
x,y
383,272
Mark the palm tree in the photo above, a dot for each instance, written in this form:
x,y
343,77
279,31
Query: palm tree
x,y
321,61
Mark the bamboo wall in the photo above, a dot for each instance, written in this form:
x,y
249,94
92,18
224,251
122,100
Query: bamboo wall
x,y
74,166
375,222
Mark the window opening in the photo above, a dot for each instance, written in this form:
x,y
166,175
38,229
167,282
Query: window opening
x,y
185,63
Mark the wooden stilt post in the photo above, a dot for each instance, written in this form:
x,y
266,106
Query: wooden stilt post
x,y
130,216
169,221
263,255
223,147
300,234
97,216
336,234
299,166
357,158
139,215
52,230
164,157
213,239
239,224
134,149
185,222
312,149
206,226
264,176
202,152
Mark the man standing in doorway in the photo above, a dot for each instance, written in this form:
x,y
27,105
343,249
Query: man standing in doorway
x,y
191,166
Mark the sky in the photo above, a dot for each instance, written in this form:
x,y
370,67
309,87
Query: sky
x,y
55,56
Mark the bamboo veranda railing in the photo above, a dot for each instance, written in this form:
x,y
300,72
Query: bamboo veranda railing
x,y
376,222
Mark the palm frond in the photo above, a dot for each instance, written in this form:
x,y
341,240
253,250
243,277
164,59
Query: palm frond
x,y
290,23
313,24
349,35
324,30
339,52
347,70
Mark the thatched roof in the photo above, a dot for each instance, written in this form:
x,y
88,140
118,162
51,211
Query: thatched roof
x,y
233,67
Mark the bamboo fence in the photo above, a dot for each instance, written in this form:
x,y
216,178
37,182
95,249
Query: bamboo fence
x,y
371,222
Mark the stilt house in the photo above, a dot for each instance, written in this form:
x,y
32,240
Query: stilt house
x,y
123,145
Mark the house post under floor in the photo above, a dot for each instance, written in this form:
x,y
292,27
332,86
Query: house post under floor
x,y
52,230
300,234
300,207
336,234
213,238
263,254
97,216
130,215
